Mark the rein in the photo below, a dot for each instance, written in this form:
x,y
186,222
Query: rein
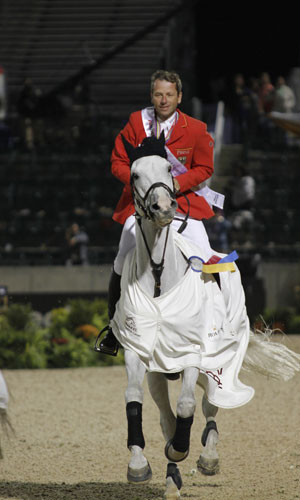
x,y
156,267
140,201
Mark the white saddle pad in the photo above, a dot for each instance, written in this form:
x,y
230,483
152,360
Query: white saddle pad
x,y
193,324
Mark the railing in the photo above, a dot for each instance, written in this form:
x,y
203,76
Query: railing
x,y
53,256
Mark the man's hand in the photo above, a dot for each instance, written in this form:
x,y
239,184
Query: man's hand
x,y
176,185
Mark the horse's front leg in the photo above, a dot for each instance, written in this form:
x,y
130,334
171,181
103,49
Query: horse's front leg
x,y
177,448
208,462
139,470
159,390
158,387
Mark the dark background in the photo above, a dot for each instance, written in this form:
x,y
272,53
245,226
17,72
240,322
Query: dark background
x,y
236,41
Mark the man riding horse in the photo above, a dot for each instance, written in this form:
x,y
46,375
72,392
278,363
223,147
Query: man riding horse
x,y
189,149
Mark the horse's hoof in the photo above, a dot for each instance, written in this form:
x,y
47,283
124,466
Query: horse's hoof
x,y
208,462
174,455
172,492
139,476
208,466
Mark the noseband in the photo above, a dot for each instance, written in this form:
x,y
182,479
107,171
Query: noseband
x,y
141,201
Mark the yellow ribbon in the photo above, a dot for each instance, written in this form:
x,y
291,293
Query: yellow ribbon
x,y
218,268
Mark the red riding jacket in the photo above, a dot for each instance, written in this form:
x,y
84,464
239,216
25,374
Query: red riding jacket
x,y
190,143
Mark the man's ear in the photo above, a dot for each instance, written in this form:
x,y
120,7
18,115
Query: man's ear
x,y
179,97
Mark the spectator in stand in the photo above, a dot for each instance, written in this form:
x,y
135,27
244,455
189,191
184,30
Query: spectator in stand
x,y
217,229
239,104
284,97
285,102
294,83
77,240
242,189
26,107
240,194
255,112
266,93
2,95
254,95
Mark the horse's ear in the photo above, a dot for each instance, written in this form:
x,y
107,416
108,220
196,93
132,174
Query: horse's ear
x,y
162,139
130,149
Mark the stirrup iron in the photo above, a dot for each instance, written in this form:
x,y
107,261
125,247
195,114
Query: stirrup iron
x,y
99,347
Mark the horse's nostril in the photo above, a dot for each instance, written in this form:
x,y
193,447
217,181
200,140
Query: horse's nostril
x,y
173,203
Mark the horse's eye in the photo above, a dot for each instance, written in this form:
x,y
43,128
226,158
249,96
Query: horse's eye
x,y
169,169
134,177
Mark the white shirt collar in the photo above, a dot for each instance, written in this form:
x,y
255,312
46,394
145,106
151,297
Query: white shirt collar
x,y
167,122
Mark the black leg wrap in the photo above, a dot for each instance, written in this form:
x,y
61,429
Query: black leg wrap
x,y
134,419
181,439
209,427
174,473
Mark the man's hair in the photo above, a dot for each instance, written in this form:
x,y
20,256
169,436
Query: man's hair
x,y
169,76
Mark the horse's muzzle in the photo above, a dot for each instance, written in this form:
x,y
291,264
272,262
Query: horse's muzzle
x,y
163,218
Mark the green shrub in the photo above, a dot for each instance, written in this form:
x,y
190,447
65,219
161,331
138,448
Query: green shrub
x,y
19,316
68,351
99,307
80,313
284,319
67,341
294,324
34,354
22,349
58,323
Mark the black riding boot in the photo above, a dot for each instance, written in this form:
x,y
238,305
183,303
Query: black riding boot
x,y
109,343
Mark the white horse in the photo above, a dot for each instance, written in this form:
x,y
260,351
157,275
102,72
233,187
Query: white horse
x,y
4,420
172,319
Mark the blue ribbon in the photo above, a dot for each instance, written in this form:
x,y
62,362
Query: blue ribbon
x,y
229,258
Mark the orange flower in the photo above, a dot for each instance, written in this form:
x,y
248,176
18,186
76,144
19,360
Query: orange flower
x,y
88,331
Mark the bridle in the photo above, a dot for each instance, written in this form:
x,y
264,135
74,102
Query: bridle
x,y
141,201
145,211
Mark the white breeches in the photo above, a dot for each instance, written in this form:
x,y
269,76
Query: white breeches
x,y
195,232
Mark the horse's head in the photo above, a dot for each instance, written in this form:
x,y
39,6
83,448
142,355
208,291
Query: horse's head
x,y
152,181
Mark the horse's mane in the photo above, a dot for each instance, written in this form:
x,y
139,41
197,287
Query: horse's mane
x,y
151,146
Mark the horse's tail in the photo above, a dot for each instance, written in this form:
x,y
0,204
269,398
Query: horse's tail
x,y
5,425
270,358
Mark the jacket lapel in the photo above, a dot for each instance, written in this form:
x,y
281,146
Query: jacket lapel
x,y
179,129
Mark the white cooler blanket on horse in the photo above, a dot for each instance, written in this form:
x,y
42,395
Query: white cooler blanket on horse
x,y
193,324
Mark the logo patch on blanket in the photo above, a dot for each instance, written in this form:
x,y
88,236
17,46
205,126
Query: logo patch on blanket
x,y
213,334
130,325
